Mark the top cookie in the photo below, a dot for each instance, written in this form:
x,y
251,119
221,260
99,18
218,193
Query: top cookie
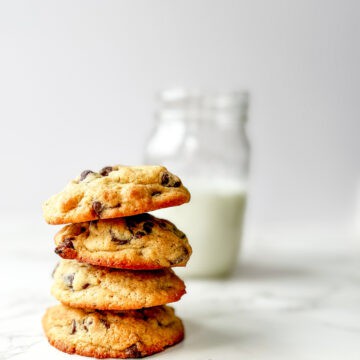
x,y
115,191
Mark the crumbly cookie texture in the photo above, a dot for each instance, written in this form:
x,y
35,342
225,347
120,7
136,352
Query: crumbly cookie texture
x,y
92,287
115,191
104,334
140,242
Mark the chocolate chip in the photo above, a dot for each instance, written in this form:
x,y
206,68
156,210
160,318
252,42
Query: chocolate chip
x,y
131,223
84,174
169,180
159,323
68,280
133,352
162,224
87,322
97,207
117,240
105,323
165,178
106,171
66,249
120,241
85,286
139,234
156,193
73,327
140,217
148,225
59,249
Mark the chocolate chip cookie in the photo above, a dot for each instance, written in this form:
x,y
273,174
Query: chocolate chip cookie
x,y
115,191
105,334
136,242
92,287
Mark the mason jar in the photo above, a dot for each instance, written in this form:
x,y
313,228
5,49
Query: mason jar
x,y
201,137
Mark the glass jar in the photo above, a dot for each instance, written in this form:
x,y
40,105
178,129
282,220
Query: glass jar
x,y
202,139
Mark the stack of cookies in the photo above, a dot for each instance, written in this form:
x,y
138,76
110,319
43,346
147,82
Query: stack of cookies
x,y
115,276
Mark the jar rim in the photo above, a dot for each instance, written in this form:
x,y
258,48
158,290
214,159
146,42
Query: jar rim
x,y
174,97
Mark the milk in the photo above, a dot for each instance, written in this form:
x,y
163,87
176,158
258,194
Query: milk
x,y
213,223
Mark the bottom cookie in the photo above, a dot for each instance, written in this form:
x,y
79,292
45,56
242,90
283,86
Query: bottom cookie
x,y
112,334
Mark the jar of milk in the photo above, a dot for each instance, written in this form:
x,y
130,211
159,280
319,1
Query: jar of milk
x,y
201,137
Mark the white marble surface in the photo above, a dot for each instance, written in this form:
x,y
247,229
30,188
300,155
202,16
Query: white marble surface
x,y
289,299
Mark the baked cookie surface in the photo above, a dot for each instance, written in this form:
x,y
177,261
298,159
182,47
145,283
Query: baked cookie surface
x,y
137,242
92,287
104,334
115,191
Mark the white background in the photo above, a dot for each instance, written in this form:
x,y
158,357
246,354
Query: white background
x,y
77,84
